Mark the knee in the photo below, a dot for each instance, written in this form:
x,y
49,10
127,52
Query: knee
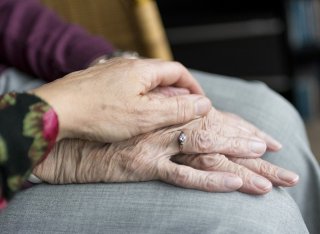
x,y
274,109
275,212
276,100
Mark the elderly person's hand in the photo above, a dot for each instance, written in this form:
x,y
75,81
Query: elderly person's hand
x,y
149,157
221,125
109,102
255,173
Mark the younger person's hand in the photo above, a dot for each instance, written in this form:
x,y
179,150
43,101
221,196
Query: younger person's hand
x,y
110,102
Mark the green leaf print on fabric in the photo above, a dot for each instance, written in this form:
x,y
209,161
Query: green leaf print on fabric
x,y
14,182
3,151
33,127
8,99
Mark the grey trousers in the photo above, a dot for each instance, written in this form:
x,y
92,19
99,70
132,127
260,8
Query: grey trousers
x,y
156,207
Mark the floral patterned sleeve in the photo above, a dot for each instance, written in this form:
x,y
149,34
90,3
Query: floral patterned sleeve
x,y
28,131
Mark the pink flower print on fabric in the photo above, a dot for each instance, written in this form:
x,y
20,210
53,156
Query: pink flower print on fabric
x,y
50,125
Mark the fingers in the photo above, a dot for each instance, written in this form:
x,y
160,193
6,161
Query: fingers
x,y
188,177
278,176
235,120
232,131
171,74
201,141
178,109
252,183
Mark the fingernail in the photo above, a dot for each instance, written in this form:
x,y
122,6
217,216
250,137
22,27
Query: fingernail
x,y
261,183
232,182
202,106
258,147
274,144
288,176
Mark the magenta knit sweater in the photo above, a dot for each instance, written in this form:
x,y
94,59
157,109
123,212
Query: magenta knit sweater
x,y
34,40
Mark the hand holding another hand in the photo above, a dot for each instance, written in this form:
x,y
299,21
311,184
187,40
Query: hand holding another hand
x,y
110,102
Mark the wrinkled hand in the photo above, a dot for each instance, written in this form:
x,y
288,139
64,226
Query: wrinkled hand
x,y
257,175
110,102
148,157
221,132
224,133
141,159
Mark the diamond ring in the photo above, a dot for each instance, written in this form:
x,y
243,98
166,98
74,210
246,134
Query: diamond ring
x,y
181,140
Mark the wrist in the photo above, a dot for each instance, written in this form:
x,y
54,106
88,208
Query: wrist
x,y
54,117
115,54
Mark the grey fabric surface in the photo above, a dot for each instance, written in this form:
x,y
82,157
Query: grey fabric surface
x,y
149,207
155,207
14,80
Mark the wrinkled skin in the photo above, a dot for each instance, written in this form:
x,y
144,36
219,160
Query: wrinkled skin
x,y
217,156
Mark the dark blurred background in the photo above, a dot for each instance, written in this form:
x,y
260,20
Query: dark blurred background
x,y
277,42
273,41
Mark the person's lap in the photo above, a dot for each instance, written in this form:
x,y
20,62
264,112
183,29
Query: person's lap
x,y
255,102
154,207
148,207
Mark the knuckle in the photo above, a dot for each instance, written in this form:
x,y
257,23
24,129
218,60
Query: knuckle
x,y
183,110
146,71
180,176
209,183
202,141
235,145
245,175
266,169
179,65
212,162
248,180
145,115
142,122
237,160
206,123
240,171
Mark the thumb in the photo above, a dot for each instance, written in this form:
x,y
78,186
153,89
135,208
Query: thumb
x,y
181,109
